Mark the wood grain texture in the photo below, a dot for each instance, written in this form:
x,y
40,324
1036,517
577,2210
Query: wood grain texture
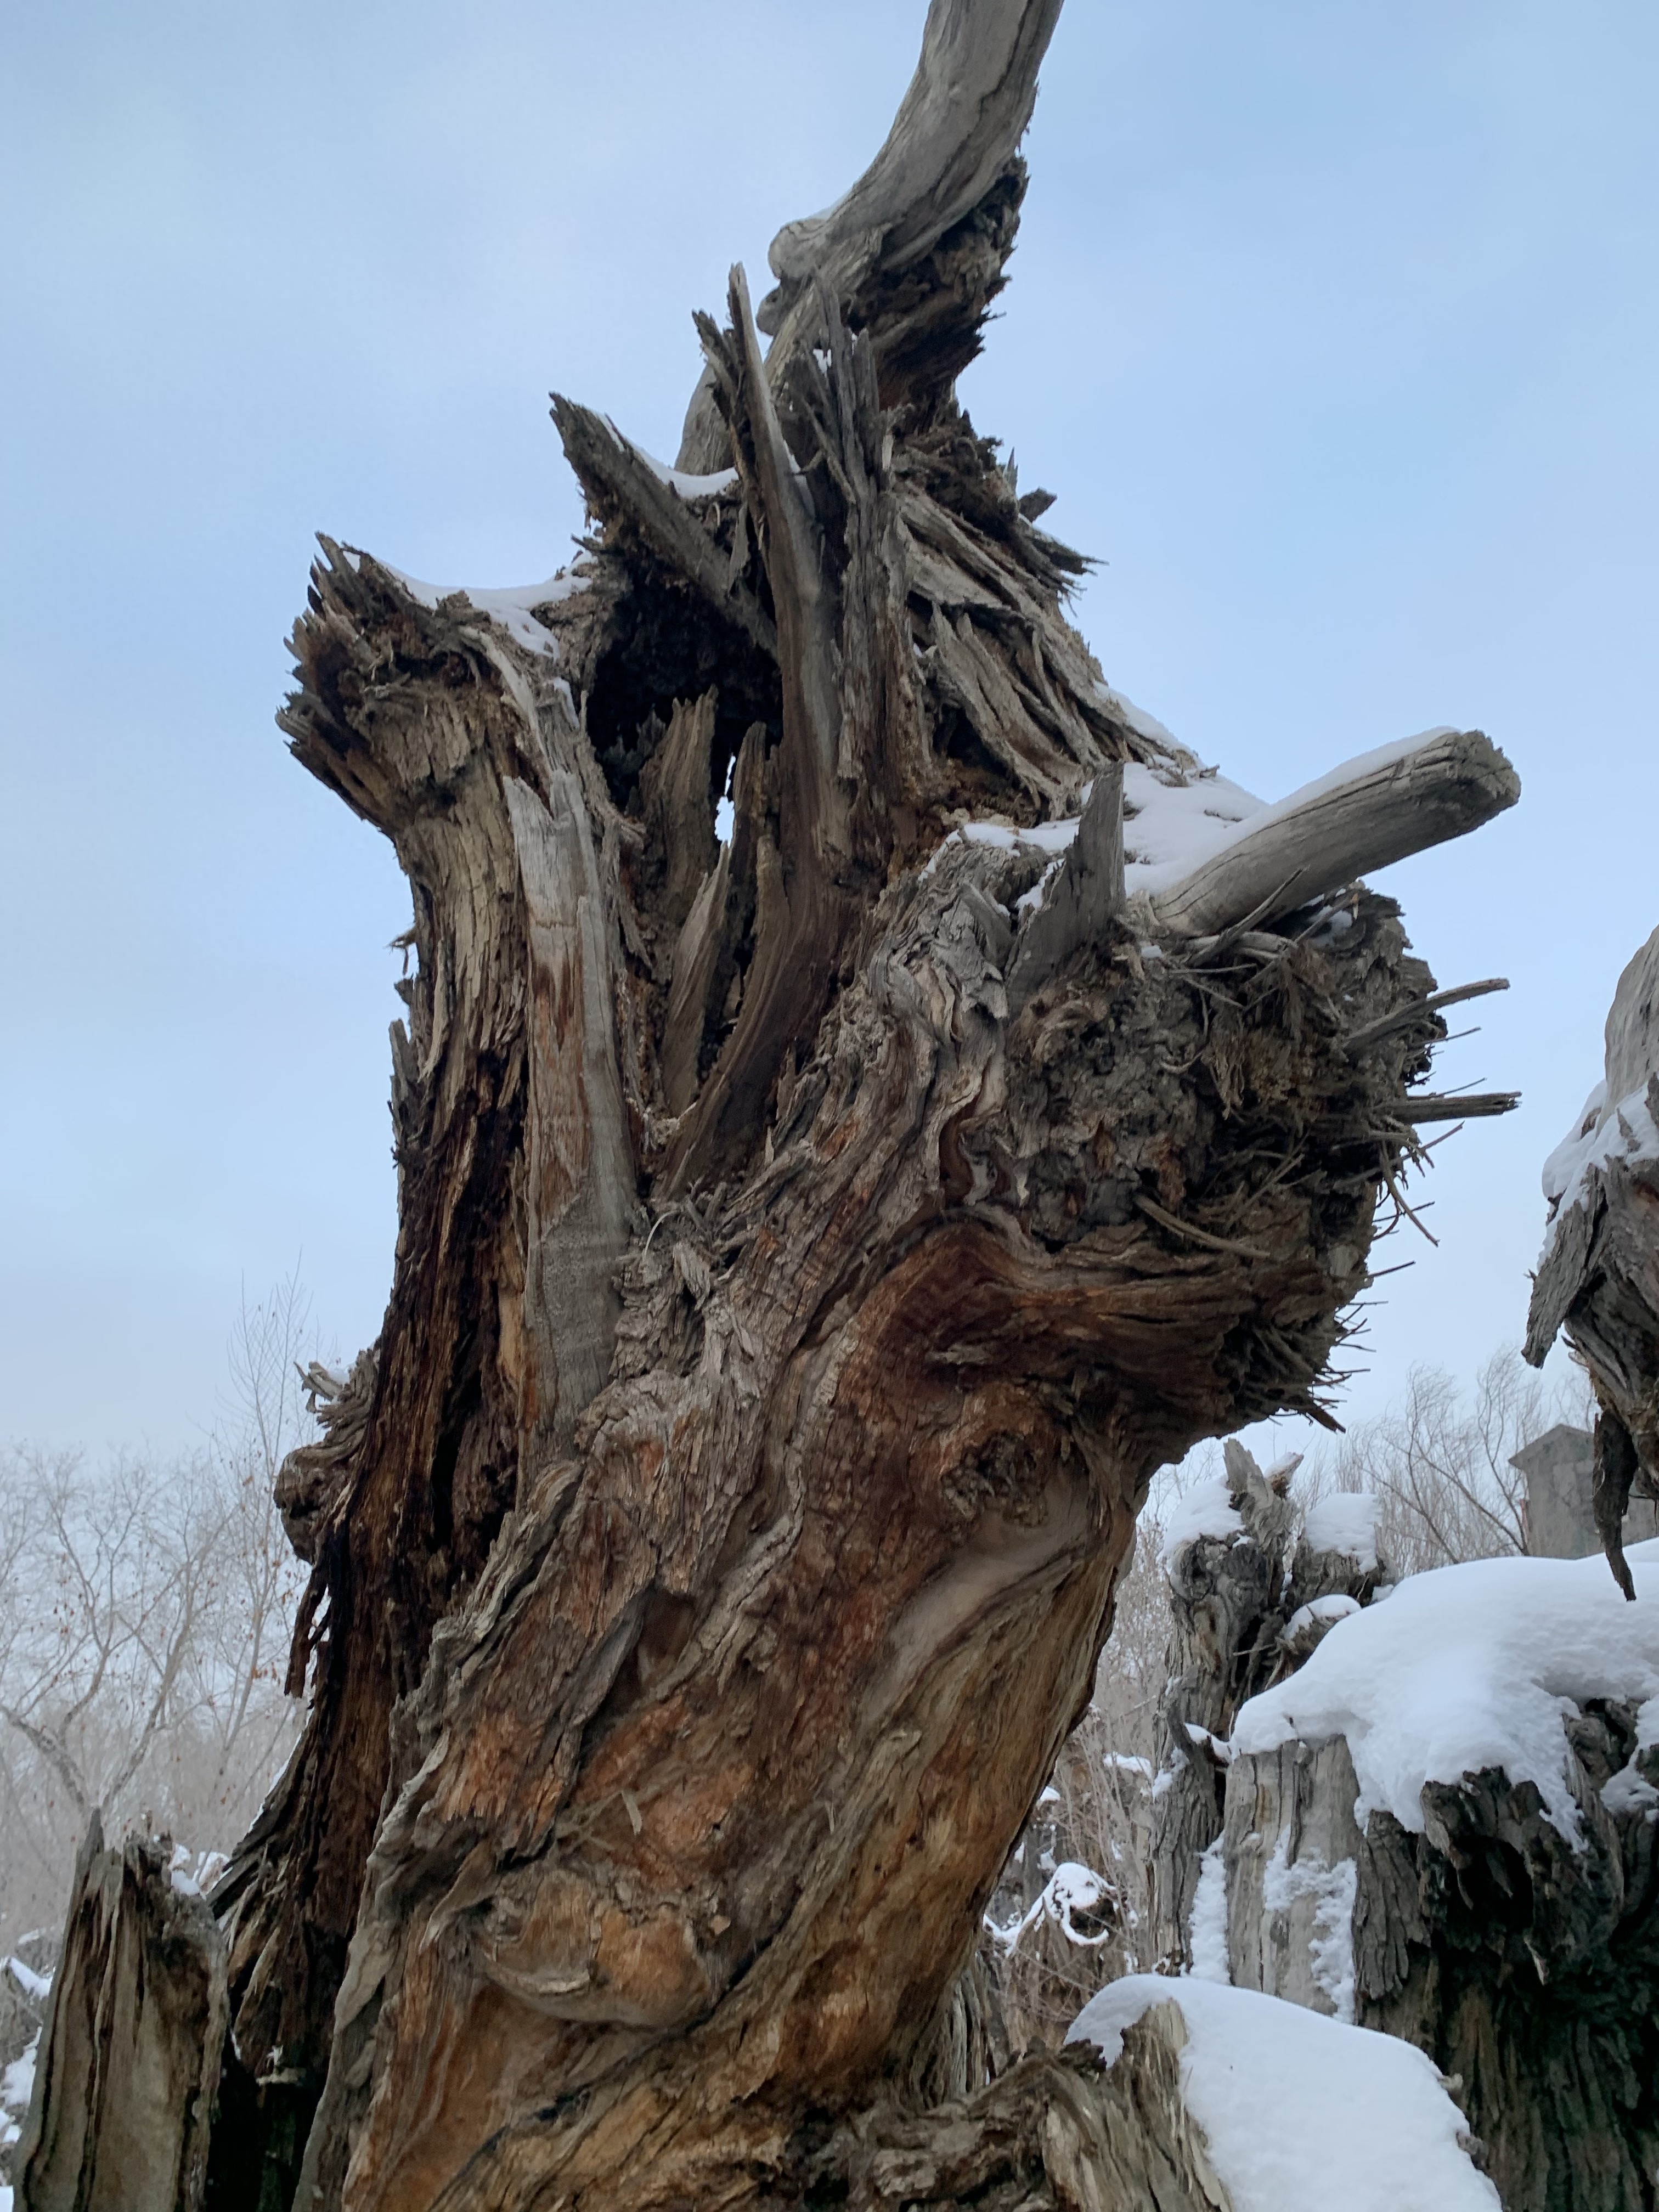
x,y
1352,822
805,1260
128,2070
1599,1276
1521,1963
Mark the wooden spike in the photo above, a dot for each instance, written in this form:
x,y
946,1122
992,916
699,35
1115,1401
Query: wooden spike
x,y
1084,896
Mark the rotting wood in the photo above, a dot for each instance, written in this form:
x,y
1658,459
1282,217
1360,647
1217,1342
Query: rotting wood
x,y
797,1283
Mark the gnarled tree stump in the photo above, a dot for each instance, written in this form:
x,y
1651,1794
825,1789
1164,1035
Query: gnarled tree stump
x,y
809,1244
1599,1275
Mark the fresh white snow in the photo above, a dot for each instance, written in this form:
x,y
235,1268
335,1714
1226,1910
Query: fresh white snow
x,y
1170,824
1471,1667
1302,2113
1208,1931
510,607
1177,817
17,2084
1344,1522
37,1986
1127,1762
1320,1612
1206,1509
1070,1887
679,482
1330,1952
1169,827
1143,724
1604,1131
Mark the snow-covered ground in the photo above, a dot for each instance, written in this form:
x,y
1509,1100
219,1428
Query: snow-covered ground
x,y
1301,2113
1472,1667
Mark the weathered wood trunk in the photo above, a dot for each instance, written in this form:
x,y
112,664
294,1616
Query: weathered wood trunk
x,y
1599,1274
1234,1596
809,1246
127,2069
1523,1963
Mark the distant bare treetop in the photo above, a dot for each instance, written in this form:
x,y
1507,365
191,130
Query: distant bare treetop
x,y
146,1610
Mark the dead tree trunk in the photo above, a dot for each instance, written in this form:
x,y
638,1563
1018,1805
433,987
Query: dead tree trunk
x,y
1599,1274
125,2081
809,1246
1244,1610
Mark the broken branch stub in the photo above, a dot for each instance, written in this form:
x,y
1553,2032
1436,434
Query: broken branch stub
x,y
1378,809
1085,896
128,2070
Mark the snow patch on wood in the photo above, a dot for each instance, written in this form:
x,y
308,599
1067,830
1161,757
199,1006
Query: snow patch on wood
x,y
1301,2112
1468,1667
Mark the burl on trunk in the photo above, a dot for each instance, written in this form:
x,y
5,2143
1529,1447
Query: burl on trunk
x,y
811,1239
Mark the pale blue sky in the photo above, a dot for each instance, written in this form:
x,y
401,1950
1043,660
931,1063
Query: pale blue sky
x,y
1332,327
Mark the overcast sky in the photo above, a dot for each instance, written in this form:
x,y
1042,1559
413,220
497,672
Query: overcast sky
x,y
1332,327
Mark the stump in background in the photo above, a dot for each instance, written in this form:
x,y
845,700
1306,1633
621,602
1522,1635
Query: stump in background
x,y
128,2070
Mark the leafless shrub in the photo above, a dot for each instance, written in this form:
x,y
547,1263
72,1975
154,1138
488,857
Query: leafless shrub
x,y
145,1611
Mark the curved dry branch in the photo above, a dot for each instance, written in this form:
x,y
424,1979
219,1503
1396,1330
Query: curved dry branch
x,y
914,253
958,129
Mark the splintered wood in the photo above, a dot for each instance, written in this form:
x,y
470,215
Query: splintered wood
x,y
810,1243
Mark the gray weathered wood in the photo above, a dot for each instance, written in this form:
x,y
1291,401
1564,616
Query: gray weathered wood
x,y
1290,1853
1599,1276
678,805
580,1159
959,124
1409,1016
1086,894
122,2112
619,480
1377,809
1456,1106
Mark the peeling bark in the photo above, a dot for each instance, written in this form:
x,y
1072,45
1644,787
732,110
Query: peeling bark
x,y
804,1262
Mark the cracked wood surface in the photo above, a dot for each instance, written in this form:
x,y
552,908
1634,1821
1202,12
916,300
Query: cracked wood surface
x,y
802,1264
